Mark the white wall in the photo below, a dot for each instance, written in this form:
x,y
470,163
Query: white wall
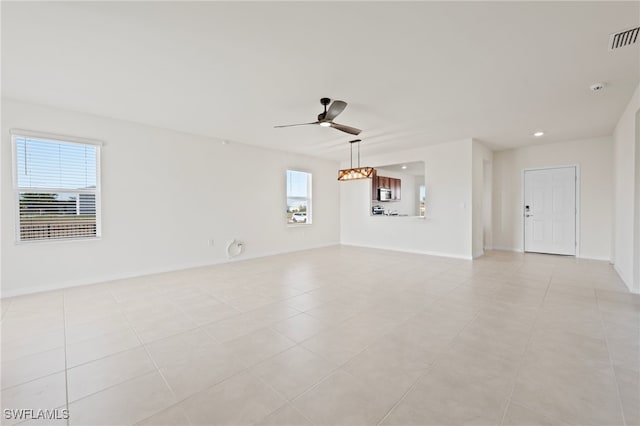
x,y
164,195
408,198
446,230
626,180
596,173
636,269
482,158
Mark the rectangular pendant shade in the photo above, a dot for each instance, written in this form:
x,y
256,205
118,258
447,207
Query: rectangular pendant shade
x,y
355,173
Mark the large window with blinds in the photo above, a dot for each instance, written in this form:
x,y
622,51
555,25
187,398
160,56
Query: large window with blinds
x,y
57,188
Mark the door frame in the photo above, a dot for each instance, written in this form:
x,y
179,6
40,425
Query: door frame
x,y
577,221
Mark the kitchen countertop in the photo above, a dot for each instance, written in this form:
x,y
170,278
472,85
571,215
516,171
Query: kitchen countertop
x,y
406,216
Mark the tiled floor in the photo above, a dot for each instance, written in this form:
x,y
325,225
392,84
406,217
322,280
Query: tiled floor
x,y
340,335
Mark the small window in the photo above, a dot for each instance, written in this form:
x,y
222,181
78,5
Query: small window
x,y
298,197
57,189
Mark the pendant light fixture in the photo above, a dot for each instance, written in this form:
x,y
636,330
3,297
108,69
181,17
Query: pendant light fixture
x,y
357,172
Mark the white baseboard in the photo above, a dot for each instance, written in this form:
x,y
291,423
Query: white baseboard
x,y
600,258
426,252
151,271
478,254
504,248
519,250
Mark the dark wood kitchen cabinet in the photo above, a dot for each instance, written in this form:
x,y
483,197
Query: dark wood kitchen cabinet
x,y
374,186
394,184
396,189
384,182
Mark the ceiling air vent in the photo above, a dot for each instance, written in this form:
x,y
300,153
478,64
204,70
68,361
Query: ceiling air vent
x,y
623,38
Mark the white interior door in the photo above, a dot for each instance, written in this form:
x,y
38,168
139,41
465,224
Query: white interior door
x,y
550,210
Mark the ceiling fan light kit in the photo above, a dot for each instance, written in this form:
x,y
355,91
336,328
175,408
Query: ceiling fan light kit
x,y
325,118
355,173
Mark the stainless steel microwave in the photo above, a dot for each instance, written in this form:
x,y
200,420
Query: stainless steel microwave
x,y
384,194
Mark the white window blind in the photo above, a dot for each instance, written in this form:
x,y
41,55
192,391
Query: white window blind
x,y
57,189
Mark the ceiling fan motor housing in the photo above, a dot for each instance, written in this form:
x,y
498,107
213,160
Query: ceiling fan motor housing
x,y
324,102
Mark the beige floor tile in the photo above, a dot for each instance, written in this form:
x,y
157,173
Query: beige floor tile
x,y
629,299
209,314
389,368
123,404
333,312
339,346
556,349
340,400
623,341
30,345
258,346
181,348
618,311
434,330
158,328
30,367
172,416
249,302
285,416
299,327
519,295
629,386
588,293
234,327
210,367
446,342
112,323
248,322
17,328
240,400
579,321
497,336
580,393
293,371
517,415
447,400
99,347
45,393
460,388
95,376
273,313
306,301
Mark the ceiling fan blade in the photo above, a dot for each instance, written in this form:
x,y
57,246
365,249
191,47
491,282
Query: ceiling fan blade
x,y
346,129
293,125
335,109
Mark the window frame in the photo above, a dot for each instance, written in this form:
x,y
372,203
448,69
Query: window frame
x,y
55,138
309,197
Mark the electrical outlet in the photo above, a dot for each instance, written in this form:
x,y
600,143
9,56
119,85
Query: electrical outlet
x,y
211,242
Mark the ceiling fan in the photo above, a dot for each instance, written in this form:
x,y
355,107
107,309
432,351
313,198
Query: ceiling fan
x,y
325,119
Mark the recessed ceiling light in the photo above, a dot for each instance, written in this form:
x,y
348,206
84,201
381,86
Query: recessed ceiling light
x,y
538,134
404,167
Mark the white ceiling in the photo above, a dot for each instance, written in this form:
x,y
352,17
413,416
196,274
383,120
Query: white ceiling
x,y
412,73
415,168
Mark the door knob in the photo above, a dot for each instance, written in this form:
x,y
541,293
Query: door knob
x,y
528,215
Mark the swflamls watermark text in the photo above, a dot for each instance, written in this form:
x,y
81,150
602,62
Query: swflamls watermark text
x,y
35,414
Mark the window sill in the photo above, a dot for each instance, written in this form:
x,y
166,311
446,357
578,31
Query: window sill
x,y
56,241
